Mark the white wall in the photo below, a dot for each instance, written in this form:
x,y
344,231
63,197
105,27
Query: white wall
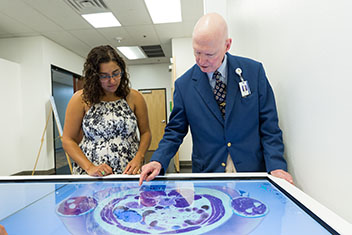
x,y
54,54
218,6
35,55
306,49
182,52
11,116
151,76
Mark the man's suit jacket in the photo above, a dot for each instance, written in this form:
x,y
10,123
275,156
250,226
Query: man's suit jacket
x,y
249,132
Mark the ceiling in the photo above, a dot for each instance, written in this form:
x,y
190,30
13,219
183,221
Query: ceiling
x,y
59,22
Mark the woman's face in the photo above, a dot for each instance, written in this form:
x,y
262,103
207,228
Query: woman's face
x,y
110,76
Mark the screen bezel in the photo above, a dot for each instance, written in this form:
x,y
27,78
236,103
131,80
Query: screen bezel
x,y
73,179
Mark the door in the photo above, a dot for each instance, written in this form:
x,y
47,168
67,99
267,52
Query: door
x,y
63,88
77,83
156,103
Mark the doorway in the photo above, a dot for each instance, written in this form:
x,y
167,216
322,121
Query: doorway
x,y
64,84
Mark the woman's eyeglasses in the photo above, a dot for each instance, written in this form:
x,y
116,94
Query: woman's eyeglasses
x,y
106,77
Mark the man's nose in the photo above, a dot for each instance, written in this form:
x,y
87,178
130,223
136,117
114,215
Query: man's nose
x,y
201,59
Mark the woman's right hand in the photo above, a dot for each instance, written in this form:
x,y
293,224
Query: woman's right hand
x,y
101,170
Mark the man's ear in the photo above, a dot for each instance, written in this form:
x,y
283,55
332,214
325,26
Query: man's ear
x,y
228,44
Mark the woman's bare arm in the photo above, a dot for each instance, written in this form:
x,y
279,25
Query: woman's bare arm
x,y
141,112
72,135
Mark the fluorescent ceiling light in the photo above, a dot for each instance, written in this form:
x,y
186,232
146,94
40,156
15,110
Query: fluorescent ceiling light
x,y
132,53
164,11
101,20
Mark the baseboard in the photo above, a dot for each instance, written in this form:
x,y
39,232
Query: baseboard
x,y
185,163
47,172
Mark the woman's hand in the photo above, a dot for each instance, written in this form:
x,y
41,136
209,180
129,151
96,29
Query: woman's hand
x,y
134,166
101,170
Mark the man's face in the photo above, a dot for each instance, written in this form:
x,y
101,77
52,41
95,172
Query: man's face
x,y
210,53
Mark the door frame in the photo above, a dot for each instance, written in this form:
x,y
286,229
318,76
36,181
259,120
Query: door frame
x,y
74,76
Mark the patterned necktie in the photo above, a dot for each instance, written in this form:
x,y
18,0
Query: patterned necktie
x,y
220,92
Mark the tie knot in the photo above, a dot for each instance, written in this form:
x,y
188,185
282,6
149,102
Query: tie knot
x,y
216,75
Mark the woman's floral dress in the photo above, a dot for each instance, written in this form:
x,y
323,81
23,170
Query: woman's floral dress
x,y
109,135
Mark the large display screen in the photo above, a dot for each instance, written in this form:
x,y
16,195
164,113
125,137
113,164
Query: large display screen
x,y
164,206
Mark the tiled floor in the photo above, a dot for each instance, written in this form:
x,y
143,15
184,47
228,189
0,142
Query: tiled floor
x,y
62,167
60,159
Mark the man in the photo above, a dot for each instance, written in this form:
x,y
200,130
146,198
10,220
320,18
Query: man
x,y
229,105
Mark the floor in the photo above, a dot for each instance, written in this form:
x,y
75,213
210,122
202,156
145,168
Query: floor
x,y
62,167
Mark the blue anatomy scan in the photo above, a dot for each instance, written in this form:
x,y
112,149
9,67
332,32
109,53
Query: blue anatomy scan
x,y
162,207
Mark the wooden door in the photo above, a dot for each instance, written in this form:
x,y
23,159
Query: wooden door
x,y
77,83
173,79
156,103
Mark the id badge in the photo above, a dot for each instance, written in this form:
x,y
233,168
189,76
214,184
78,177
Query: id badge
x,y
245,90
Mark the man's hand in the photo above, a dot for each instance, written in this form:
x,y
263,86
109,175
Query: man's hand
x,y
149,171
283,175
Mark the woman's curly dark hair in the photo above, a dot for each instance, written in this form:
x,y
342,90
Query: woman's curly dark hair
x,y
92,90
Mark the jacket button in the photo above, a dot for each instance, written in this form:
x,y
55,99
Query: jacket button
x,y
223,164
228,144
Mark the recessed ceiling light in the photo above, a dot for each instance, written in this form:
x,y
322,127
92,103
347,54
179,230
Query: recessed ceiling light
x,y
102,20
132,53
164,11
118,39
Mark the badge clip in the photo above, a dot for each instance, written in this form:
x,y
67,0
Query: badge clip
x,y
244,87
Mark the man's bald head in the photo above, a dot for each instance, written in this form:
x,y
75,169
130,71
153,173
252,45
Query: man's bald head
x,y
211,25
210,41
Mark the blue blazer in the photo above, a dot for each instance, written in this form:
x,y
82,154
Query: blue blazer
x,y
249,131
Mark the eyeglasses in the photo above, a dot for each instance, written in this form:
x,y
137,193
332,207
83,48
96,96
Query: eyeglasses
x,y
106,77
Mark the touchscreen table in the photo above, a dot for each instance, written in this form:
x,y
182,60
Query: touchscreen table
x,y
163,206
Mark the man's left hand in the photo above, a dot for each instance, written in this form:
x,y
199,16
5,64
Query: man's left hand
x,y
283,175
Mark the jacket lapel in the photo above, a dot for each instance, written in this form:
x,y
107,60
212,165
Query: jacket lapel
x,y
202,86
232,85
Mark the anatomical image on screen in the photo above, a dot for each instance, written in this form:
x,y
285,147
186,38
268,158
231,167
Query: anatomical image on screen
x,y
160,207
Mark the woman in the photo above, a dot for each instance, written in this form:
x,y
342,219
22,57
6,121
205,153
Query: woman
x,y
108,112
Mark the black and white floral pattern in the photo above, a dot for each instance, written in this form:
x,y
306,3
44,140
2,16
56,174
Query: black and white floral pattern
x,y
110,135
